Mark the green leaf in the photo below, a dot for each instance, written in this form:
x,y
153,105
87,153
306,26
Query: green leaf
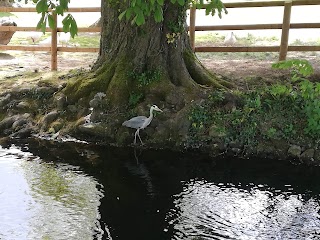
x,y
70,25
51,21
66,24
42,6
42,23
140,19
64,4
59,10
160,2
122,15
128,13
181,2
73,28
158,14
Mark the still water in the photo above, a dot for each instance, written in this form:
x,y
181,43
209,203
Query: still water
x,y
65,191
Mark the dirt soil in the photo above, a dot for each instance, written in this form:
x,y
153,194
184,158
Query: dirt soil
x,y
245,72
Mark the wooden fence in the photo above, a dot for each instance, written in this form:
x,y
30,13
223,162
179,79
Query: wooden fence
x,y
54,32
282,49
285,26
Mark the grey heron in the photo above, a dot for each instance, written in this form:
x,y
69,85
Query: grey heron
x,y
140,122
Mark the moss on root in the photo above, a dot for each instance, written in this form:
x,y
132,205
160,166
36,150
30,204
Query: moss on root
x,y
200,74
109,78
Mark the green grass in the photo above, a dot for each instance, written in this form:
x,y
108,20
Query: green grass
x,y
209,38
6,14
250,39
258,116
86,40
82,40
216,39
272,56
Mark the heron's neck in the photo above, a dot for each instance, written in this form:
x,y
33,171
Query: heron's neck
x,y
151,113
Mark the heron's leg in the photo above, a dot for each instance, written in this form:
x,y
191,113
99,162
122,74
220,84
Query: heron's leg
x,y
135,136
140,138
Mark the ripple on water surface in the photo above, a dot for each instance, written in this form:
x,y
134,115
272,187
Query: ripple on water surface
x,y
222,211
41,200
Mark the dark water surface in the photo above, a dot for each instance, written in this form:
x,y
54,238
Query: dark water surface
x,y
79,191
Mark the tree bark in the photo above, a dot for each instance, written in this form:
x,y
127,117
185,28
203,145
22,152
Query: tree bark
x,y
5,3
126,48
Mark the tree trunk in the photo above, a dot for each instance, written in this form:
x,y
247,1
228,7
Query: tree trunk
x,y
153,47
5,3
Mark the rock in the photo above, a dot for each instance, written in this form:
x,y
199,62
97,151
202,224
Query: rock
x,y
235,144
23,133
60,101
236,151
7,122
307,155
266,150
96,116
72,108
44,91
23,105
230,101
98,100
216,132
18,123
316,157
281,148
294,151
4,100
176,99
5,36
94,129
57,126
49,118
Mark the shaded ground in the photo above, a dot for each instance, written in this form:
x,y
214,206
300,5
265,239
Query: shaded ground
x,y
244,69
13,62
248,70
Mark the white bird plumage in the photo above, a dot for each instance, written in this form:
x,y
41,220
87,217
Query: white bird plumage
x,y
230,39
64,38
46,42
140,122
34,36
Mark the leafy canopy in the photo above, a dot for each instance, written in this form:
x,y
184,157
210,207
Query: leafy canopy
x,y
136,11
47,8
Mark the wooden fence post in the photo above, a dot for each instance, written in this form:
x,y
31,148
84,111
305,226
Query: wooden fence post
x,y
285,30
54,43
192,28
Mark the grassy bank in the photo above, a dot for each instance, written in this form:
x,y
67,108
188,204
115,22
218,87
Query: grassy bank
x,y
288,111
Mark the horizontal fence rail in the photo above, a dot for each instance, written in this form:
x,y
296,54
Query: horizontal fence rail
x,y
282,49
285,26
54,49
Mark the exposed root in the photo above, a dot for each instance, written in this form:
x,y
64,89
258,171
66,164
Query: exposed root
x,y
201,75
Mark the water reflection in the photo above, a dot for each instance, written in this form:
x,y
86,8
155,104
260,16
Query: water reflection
x,y
72,191
43,200
218,211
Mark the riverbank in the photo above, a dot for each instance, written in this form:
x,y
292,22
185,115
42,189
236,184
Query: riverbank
x,y
257,118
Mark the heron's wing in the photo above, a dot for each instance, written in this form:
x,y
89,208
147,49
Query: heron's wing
x,y
135,122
